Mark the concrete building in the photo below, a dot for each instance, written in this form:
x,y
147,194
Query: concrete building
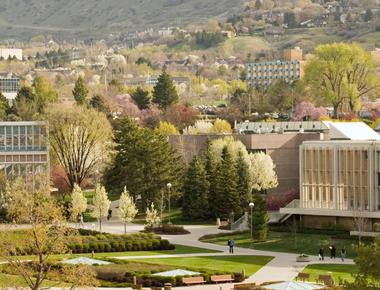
x,y
9,86
6,53
281,140
263,74
24,149
339,178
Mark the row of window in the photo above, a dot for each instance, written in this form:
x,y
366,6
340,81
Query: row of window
x,y
23,138
9,85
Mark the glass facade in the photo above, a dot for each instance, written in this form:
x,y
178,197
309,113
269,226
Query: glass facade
x,y
9,85
24,149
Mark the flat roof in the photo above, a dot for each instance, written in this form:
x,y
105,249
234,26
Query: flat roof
x,y
352,131
279,127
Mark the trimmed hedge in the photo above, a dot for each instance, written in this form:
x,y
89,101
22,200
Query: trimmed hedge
x,y
166,229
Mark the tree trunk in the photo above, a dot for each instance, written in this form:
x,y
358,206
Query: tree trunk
x,y
125,228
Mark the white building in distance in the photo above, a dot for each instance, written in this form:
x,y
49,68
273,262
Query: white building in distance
x,y
11,52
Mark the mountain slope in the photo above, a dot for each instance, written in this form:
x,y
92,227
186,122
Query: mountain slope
x,y
79,16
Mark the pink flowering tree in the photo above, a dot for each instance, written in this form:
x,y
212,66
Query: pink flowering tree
x,y
307,111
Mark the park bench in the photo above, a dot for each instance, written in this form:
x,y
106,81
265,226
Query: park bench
x,y
137,287
246,286
303,276
221,278
193,280
326,280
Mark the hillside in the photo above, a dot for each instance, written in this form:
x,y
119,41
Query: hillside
x,y
92,17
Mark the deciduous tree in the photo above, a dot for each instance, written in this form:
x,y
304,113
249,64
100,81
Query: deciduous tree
x,y
127,208
101,204
78,202
79,139
167,129
263,176
152,217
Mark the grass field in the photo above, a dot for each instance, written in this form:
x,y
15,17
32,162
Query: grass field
x,y
15,282
250,264
285,242
337,271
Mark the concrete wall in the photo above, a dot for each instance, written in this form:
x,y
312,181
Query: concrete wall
x,y
283,148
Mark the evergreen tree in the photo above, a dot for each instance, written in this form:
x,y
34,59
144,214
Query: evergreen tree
x,y
98,103
243,182
290,19
259,218
210,167
368,16
258,4
80,91
227,197
195,191
4,107
165,92
144,162
141,98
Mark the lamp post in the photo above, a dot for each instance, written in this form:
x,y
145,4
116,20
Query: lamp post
x,y
251,206
169,186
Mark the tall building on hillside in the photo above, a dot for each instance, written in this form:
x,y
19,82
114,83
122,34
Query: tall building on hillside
x,y
263,74
339,178
24,149
9,86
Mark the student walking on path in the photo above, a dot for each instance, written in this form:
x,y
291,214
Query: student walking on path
x,y
343,254
231,244
321,254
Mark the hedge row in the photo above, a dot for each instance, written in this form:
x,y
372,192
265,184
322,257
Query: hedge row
x,y
121,246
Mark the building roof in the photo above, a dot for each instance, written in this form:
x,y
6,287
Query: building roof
x,y
282,127
351,131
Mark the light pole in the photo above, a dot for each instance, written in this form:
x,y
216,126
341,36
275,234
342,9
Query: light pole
x,y
251,206
169,186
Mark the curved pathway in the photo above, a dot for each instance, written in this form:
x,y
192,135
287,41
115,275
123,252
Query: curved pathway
x,y
283,266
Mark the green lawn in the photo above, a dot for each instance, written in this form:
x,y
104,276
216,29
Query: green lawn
x,y
250,264
285,242
175,218
337,271
14,281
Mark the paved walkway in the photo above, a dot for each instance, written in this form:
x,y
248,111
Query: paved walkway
x,y
283,267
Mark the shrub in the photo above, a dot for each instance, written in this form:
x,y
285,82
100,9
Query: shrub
x,y
167,230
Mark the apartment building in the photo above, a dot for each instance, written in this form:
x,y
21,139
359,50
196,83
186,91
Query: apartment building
x,y
263,74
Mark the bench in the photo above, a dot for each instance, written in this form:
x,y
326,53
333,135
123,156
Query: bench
x,y
303,276
221,278
137,287
193,280
247,286
326,280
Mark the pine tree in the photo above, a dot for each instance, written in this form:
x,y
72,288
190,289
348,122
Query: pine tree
x,y
4,107
165,92
210,167
227,197
98,103
80,91
259,218
141,98
145,162
195,191
243,182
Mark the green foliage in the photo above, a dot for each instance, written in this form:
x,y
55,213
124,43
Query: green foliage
x,y
227,197
290,19
195,191
260,218
368,262
4,107
144,162
243,182
52,59
44,92
141,98
206,39
80,91
98,103
165,92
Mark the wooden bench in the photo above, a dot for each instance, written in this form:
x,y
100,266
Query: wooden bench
x,y
303,276
326,280
193,280
221,278
247,286
137,287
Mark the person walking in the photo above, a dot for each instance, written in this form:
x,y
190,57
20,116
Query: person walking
x,y
321,254
332,252
343,253
231,244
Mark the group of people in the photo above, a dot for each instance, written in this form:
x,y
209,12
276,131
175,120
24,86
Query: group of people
x,y
333,249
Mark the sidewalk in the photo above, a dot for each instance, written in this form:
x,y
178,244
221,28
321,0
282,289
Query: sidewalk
x,y
283,267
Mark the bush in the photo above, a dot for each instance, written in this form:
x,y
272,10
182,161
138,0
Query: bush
x,y
166,229
376,227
